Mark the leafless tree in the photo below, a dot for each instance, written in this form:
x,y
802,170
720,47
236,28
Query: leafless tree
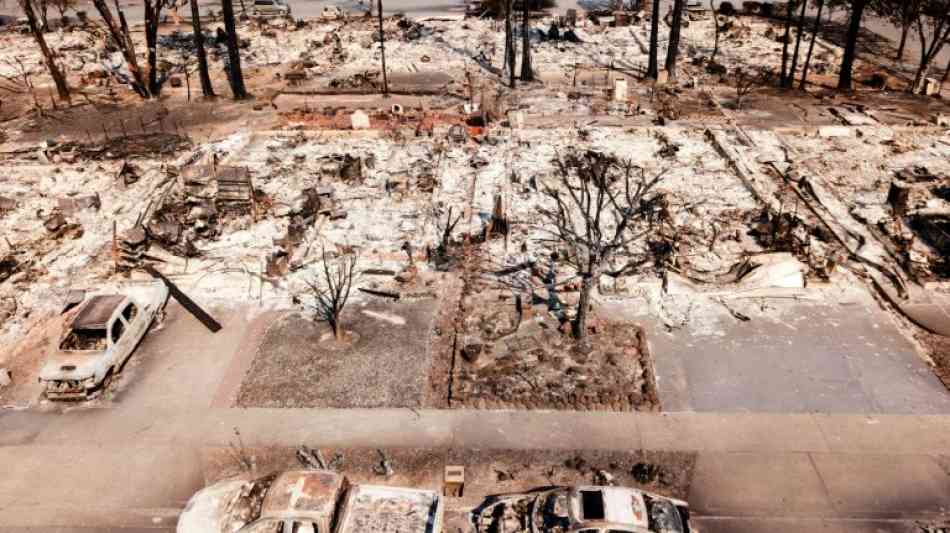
x,y
597,206
715,14
153,15
787,39
63,6
119,31
331,289
235,76
906,21
932,23
811,46
382,49
789,80
653,68
673,47
43,12
59,78
509,44
441,256
20,82
527,72
846,74
748,80
206,88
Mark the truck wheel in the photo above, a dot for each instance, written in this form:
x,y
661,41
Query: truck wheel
x,y
727,9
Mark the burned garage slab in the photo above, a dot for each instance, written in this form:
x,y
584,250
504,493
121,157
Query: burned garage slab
x,y
383,362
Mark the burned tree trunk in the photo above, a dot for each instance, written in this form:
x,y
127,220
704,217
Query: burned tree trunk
x,y
940,28
44,15
153,11
905,29
235,76
790,79
653,69
673,49
715,14
206,88
382,49
591,189
811,46
527,73
509,45
785,41
331,293
62,89
845,78
120,34
579,327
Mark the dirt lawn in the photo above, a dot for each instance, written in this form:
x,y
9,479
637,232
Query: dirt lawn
x,y
386,363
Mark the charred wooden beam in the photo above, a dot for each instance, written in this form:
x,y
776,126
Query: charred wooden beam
x,y
186,302
384,294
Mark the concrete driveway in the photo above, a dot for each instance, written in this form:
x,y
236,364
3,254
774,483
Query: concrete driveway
x,y
798,357
182,365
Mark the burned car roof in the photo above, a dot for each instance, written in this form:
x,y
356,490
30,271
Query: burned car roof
x,y
302,494
97,311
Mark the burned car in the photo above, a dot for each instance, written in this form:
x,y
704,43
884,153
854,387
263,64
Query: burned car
x,y
310,501
587,509
100,335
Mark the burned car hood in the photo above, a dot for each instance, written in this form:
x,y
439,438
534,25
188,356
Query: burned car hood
x,y
71,365
206,511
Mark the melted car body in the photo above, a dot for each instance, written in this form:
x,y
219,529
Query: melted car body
x,y
99,336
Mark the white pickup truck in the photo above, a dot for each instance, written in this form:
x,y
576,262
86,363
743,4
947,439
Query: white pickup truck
x,y
99,337
310,501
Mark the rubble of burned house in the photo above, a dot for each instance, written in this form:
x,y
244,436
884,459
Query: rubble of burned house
x,y
896,189
920,210
734,218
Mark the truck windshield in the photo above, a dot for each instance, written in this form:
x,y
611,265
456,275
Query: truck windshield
x,y
664,518
246,506
84,340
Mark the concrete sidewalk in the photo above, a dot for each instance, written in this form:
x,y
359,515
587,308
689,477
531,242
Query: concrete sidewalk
x,y
737,432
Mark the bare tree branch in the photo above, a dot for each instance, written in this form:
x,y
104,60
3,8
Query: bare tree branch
x,y
597,207
332,290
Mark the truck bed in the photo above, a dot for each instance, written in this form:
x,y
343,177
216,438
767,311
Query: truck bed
x,y
379,509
